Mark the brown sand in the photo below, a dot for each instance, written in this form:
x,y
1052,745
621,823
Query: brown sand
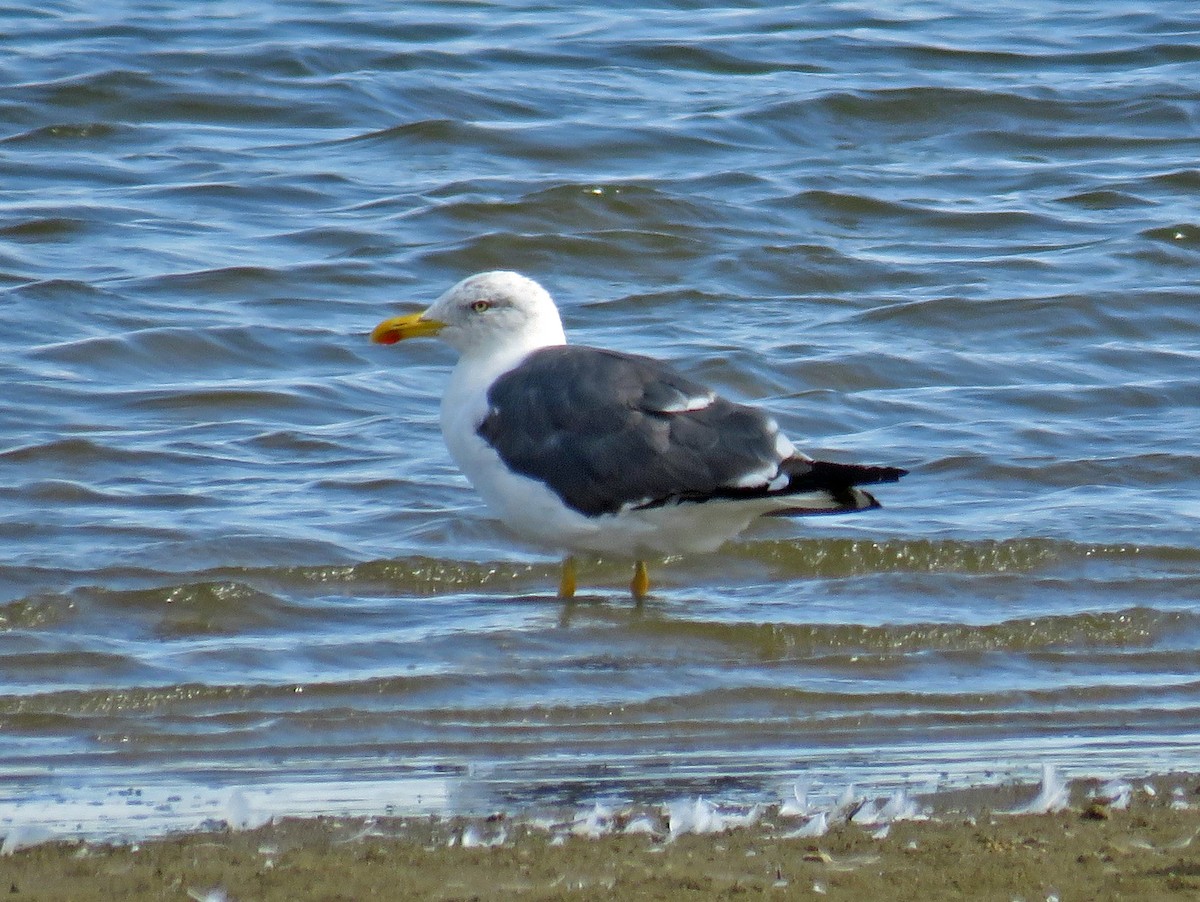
x,y
1150,851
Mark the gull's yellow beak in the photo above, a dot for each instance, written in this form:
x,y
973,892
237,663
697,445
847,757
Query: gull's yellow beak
x,y
399,328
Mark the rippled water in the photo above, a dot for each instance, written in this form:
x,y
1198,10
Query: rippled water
x,y
238,564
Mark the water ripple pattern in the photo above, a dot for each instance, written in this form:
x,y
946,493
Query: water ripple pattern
x,y
238,562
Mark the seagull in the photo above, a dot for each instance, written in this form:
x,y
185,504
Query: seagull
x,y
588,450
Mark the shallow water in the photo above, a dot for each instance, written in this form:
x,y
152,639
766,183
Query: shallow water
x,y
240,568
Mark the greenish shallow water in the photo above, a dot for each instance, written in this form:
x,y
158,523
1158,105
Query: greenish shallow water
x,y
238,562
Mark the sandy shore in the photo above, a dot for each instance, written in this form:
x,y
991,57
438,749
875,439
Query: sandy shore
x,y
957,848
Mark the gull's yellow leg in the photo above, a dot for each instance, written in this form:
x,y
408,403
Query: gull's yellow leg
x,y
640,587
566,586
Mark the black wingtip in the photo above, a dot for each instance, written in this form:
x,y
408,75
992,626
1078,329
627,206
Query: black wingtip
x,y
826,474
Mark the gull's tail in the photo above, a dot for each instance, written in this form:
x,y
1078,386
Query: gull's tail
x,y
823,487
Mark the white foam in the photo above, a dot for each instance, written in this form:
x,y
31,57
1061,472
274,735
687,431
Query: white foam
x,y
642,824
697,816
797,805
208,895
595,823
900,807
125,812
1117,794
817,825
241,814
847,804
1053,795
702,816
475,837
24,836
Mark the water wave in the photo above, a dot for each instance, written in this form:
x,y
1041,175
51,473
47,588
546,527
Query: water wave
x,y
948,239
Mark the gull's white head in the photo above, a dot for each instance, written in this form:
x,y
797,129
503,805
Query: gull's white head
x,y
484,314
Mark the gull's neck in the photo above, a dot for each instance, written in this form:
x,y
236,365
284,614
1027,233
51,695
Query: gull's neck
x,y
465,402
481,364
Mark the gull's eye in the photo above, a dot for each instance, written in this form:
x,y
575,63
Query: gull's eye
x,y
481,306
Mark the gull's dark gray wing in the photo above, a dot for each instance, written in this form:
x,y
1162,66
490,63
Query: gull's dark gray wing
x,y
610,431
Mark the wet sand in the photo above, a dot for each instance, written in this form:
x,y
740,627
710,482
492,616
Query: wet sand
x,y
959,849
